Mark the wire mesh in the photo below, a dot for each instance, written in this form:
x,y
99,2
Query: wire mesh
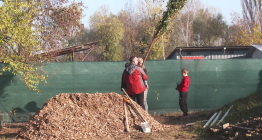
x,y
213,83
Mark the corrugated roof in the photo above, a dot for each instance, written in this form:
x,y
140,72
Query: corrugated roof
x,y
208,48
259,47
252,50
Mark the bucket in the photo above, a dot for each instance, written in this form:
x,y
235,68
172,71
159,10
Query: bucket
x,y
146,127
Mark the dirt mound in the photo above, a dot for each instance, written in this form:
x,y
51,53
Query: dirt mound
x,y
83,115
240,133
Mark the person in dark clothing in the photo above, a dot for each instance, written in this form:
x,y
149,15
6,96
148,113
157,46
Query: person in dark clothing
x,y
133,78
183,92
122,83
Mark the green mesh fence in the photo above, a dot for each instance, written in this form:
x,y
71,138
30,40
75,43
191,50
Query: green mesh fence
x,y
213,83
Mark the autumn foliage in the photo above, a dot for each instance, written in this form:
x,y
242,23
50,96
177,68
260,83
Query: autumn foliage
x,y
29,28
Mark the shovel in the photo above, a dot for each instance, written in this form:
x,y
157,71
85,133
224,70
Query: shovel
x,y
145,126
127,125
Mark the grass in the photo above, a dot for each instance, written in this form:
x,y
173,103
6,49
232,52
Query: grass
x,y
197,130
243,109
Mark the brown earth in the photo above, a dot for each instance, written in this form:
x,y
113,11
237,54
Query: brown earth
x,y
78,115
253,123
64,116
177,130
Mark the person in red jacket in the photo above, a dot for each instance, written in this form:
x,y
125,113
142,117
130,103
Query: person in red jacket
x,y
183,92
134,77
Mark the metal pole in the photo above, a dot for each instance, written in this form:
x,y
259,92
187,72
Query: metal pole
x,y
214,121
180,54
163,49
224,115
210,120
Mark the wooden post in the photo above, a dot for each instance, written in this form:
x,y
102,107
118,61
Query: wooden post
x,y
87,53
127,125
73,55
153,41
228,125
132,102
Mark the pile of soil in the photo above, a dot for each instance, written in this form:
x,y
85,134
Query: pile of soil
x,y
83,115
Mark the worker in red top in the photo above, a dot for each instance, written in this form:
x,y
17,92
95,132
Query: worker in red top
x,y
183,92
134,77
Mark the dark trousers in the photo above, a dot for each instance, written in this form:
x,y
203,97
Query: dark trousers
x,y
139,98
183,102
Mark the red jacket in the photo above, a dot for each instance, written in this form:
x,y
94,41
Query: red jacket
x,y
133,78
183,87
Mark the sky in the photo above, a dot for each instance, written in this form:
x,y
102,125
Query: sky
x,y
225,7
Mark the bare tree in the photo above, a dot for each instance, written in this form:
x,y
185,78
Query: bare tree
x,y
185,20
139,22
252,13
130,20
